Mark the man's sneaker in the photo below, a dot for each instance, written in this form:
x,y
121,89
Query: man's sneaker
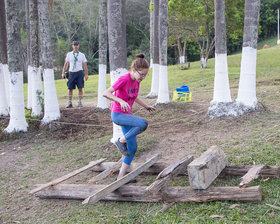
x,y
80,104
122,148
69,105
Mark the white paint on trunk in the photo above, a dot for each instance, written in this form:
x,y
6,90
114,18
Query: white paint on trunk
x,y
17,114
221,83
203,63
155,82
4,108
29,87
163,93
7,82
117,130
247,82
37,91
151,63
51,107
102,102
182,59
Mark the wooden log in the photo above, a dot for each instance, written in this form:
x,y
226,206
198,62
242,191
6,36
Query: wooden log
x,y
95,197
238,171
206,168
168,194
67,176
168,173
106,172
252,174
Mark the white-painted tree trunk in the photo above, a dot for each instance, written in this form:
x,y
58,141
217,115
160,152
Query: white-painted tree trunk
x,y
163,93
102,102
29,87
221,83
4,109
7,82
37,91
17,121
51,109
247,82
117,130
182,59
151,63
155,82
203,63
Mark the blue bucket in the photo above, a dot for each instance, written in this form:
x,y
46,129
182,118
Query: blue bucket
x,y
183,88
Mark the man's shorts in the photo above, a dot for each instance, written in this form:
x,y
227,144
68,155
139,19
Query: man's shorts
x,y
76,79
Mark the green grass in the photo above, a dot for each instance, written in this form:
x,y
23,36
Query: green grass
x,y
41,156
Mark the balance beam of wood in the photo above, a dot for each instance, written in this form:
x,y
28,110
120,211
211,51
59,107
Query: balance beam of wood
x,y
106,172
67,176
238,171
252,174
95,197
167,194
169,173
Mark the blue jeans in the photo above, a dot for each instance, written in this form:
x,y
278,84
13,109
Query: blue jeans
x,y
131,126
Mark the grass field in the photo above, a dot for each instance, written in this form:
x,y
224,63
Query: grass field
x,y
41,155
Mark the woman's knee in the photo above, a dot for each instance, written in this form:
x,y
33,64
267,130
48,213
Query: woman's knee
x,y
144,125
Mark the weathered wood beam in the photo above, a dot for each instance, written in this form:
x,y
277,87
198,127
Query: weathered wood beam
x,y
139,194
95,197
106,172
238,171
169,173
252,174
67,176
206,168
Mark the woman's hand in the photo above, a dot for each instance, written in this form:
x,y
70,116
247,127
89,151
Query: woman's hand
x,y
124,106
151,108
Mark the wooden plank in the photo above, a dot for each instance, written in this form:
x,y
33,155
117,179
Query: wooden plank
x,y
67,176
169,173
206,168
237,171
106,172
95,197
168,194
252,174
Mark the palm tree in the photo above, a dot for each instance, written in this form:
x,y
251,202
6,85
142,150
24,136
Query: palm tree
x,y
221,83
4,106
34,68
29,77
17,121
247,83
103,32
51,106
155,78
163,94
151,32
117,46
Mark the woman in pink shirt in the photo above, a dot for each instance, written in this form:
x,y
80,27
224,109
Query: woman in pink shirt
x,y
126,90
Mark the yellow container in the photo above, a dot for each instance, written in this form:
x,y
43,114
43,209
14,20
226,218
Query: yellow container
x,y
182,97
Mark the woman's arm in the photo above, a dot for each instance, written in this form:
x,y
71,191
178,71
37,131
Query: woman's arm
x,y
109,95
140,102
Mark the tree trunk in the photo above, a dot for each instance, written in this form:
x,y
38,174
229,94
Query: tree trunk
x,y
28,55
221,83
36,81
4,105
163,94
247,82
151,32
17,114
155,78
103,34
117,46
51,107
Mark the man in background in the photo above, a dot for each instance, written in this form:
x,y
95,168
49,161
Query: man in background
x,y
76,61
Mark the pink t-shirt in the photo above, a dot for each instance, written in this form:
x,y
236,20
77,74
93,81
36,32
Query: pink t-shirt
x,y
126,89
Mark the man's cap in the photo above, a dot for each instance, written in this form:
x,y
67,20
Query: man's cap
x,y
75,43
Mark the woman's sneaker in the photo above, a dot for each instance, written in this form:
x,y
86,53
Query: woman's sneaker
x,y
122,148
